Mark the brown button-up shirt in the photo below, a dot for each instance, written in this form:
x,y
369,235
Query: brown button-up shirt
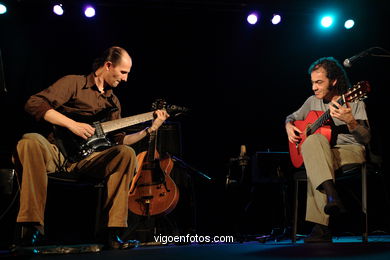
x,y
74,94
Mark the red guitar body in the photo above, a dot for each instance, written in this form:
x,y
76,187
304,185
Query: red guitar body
x,y
295,148
316,122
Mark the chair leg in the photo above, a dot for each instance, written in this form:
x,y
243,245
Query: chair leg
x,y
295,219
99,202
364,203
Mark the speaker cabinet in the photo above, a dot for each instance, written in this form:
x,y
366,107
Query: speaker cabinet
x,y
168,138
270,166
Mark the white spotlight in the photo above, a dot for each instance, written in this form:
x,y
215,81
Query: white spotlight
x,y
58,10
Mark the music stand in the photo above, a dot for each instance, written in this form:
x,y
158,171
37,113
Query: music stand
x,y
272,167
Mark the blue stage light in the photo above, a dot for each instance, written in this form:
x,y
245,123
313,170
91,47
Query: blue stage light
x,y
327,21
3,8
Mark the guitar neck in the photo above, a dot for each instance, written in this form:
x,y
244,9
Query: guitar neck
x,y
323,118
151,156
117,124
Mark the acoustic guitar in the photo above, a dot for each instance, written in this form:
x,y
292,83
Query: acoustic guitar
x,y
317,122
153,191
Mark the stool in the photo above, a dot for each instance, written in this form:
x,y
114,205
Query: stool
x,y
74,182
345,172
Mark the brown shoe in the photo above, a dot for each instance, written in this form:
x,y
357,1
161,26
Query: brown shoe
x,y
319,234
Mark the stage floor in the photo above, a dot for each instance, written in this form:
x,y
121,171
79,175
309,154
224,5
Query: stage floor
x,y
342,248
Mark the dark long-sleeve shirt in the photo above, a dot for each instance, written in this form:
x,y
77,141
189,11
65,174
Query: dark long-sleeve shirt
x,y
75,94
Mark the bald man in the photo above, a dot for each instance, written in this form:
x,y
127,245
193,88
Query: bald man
x,y
37,156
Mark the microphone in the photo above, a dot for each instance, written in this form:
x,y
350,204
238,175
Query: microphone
x,y
242,150
348,62
243,158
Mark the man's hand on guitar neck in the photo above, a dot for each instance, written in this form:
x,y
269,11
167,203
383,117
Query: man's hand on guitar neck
x,y
343,113
161,116
292,131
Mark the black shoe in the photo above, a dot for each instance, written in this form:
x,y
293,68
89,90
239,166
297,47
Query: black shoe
x,y
334,206
319,234
27,235
115,242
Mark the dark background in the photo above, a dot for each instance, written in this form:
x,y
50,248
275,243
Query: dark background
x,y
240,81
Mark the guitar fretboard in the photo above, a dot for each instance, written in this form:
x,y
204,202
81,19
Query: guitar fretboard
x,y
322,119
110,126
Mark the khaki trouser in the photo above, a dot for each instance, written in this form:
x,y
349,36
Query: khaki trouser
x,y
36,157
320,162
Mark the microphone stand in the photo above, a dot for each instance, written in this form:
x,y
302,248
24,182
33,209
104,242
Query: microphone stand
x,y
243,163
382,56
237,188
368,52
387,55
187,166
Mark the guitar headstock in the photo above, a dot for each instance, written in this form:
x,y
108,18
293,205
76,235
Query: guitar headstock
x,y
159,104
172,110
358,92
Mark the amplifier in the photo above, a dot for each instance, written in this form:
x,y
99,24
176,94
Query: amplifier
x,y
168,138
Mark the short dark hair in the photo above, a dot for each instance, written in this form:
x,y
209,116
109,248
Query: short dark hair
x,y
334,71
112,54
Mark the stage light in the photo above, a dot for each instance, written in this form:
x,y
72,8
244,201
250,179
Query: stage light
x,y
89,11
349,24
58,10
3,8
253,18
276,19
326,21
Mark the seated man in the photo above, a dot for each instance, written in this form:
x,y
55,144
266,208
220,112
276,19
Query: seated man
x,y
350,133
37,156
